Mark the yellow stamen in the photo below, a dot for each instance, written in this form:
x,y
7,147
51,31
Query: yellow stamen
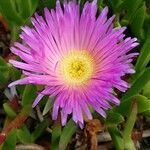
x,y
76,67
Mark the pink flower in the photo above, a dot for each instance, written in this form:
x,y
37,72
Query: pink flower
x,y
78,57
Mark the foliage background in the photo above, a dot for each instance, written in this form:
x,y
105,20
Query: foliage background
x,y
19,124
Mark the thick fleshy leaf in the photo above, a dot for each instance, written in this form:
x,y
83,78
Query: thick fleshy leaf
x,y
130,6
128,143
24,135
3,79
2,62
116,138
9,111
4,72
10,142
56,133
146,90
113,118
4,68
138,21
49,3
138,84
142,102
48,106
66,134
15,73
33,5
41,127
27,8
115,4
29,94
17,11
8,9
144,57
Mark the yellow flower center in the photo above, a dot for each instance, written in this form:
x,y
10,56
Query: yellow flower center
x,y
76,67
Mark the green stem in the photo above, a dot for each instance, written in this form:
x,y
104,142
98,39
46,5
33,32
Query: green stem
x,y
129,145
116,138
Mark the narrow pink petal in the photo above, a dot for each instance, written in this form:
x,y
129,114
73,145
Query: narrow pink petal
x,y
37,100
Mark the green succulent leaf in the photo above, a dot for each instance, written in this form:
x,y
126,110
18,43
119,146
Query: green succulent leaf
x,y
9,111
138,85
27,8
3,79
129,145
48,106
66,135
130,6
29,94
115,4
24,135
15,73
116,138
2,62
144,57
10,142
138,21
113,118
41,127
143,104
146,90
56,133
17,12
8,9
